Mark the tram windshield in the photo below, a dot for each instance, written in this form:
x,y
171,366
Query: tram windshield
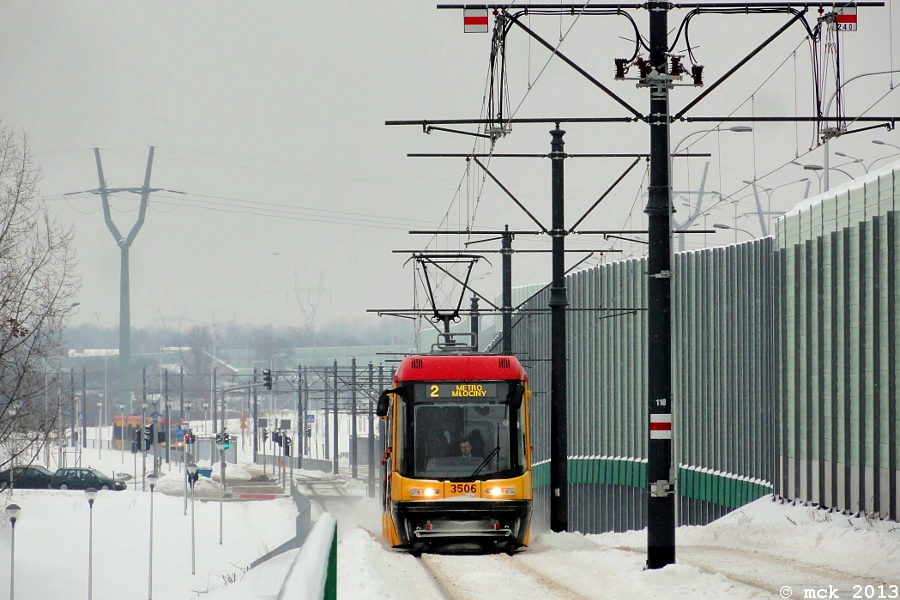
x,y
465,430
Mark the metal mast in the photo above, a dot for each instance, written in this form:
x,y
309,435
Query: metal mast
x,y
124,244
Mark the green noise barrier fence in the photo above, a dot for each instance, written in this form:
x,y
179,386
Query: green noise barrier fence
x,y
784,370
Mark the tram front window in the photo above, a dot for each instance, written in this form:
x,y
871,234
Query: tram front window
x,y
465,430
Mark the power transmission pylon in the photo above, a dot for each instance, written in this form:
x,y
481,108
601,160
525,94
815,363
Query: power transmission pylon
x,y
124,243
310,315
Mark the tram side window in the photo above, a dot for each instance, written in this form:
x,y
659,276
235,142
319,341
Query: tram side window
x,y
400,448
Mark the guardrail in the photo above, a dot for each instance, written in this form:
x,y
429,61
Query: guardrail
x,y
302,528
313,573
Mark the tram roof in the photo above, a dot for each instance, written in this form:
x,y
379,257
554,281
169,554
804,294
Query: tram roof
x,y
459,367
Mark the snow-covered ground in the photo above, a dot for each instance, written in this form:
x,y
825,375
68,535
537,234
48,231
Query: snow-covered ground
x,y
52,537
763,550
754,552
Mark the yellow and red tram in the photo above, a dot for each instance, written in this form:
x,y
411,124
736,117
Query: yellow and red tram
x,y
457,469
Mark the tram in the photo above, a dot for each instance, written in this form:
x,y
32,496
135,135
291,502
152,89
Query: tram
x,y
457,470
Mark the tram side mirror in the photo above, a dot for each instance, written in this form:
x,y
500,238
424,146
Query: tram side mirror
x,y
515,396
384,401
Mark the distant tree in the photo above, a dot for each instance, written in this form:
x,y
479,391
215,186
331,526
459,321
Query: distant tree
x,y
37,287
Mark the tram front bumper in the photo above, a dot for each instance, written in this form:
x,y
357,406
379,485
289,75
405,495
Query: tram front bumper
x,y
463,520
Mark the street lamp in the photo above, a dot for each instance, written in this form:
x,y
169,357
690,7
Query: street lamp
x,y
100,430
192,471
144,405
91,494
769,192
152,480
723,226
12,511
220,444
697,209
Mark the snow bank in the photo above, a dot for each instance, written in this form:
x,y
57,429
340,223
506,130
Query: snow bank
x,y
233,472
172,484
855,546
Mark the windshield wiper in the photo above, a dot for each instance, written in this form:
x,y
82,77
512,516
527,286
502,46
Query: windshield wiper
x,y
486,461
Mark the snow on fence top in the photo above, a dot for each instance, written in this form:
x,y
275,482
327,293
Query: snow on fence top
x,y
846,205
306,578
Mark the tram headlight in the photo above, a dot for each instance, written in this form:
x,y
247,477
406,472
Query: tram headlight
x,y
498,491
426,492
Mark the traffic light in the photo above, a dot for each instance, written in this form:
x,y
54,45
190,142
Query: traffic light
x,y
227,441
309,431
265,435
287,446
148,437
187,438
136,442
219,438
276,437
267,379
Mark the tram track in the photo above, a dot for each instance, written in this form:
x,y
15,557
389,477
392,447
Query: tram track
x,y
469,576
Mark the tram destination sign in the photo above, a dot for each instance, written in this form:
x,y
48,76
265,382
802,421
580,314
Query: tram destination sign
x,y
462,390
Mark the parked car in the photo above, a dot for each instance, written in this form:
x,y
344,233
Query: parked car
x,y
31,477
82,479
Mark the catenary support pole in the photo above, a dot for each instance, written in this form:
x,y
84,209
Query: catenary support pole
x,y
326,450
143,439
353,428
559,510
181,391
255,421
335,417
661,501
473,321
370,484
305,408
506,253
214,402
84,407
168,414
297,446
382,427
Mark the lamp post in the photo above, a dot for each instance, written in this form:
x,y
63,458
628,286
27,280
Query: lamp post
x,y
697,210
220,444
769,192
830,132
91,495
191,471
724,226
822,173
861,162
122,429
12,511
144,405
152,480
100,430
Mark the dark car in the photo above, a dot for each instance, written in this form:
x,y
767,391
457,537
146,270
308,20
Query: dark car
x,y
82,479
34,476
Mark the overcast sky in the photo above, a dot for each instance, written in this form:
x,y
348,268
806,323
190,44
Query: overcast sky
x,y
270,117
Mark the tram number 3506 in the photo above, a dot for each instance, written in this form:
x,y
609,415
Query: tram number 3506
x,y
463,488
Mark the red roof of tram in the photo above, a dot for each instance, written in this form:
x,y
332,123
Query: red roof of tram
x,y
459,367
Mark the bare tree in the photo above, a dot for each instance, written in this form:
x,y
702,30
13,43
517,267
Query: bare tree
x,y
37,285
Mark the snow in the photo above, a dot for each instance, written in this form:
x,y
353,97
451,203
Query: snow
x,y
855,184
751,553
306,579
